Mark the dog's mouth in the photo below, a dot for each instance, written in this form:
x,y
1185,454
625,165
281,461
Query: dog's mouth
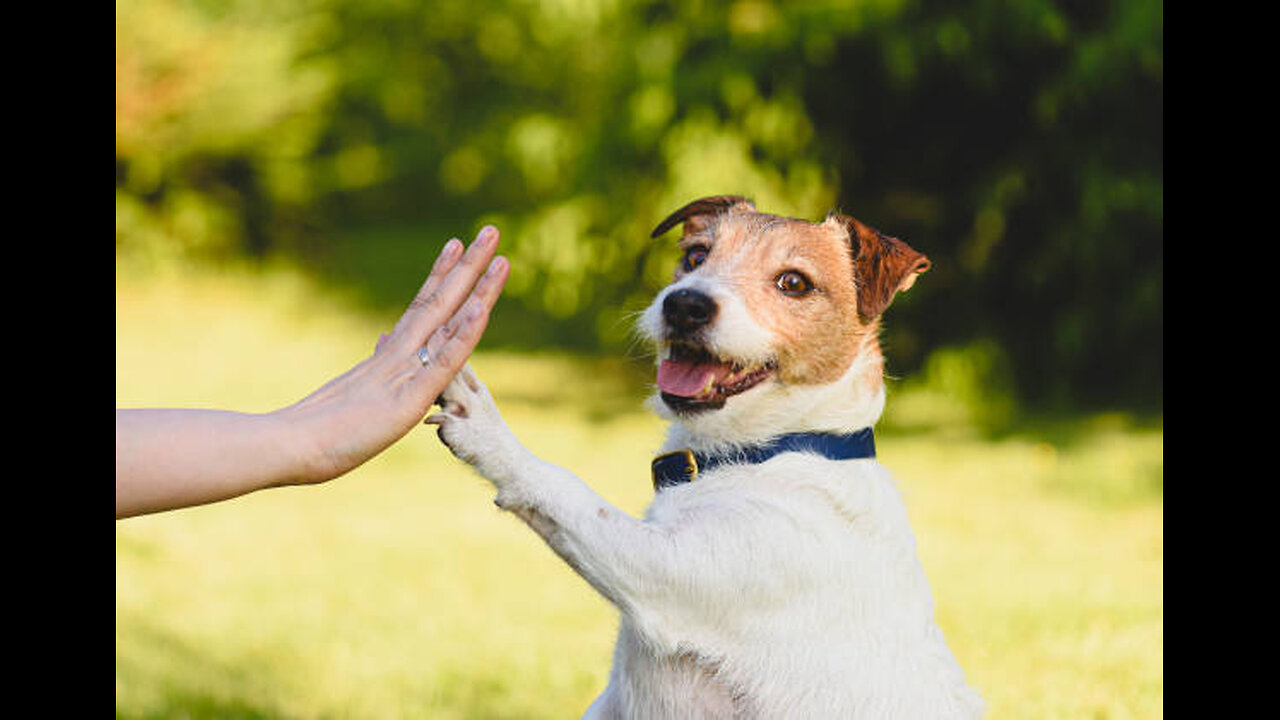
x,y
691,379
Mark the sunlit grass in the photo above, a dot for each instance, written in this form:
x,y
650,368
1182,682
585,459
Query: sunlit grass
x,y
399,591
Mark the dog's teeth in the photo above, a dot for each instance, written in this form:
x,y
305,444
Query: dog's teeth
x,y
711,382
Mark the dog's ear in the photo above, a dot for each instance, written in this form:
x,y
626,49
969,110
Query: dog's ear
x,y
882,266
696,214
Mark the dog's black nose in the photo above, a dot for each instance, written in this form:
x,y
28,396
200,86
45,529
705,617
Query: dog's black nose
x,y
687,310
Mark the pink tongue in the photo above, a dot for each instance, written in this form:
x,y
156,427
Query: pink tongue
x,y
687,379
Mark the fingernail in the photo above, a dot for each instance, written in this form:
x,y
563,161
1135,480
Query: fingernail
x,y
488,234
449,250
496,265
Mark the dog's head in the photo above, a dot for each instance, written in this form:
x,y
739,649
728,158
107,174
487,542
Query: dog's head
x,y
770,323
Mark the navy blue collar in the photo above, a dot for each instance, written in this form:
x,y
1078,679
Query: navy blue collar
x,y
684,465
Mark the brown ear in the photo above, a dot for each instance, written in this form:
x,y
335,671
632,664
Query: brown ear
x,y
882,267
695,214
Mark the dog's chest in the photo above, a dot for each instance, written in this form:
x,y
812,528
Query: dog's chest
x,y
782,598
651,684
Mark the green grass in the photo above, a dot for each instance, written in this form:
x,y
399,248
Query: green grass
x,y
399,591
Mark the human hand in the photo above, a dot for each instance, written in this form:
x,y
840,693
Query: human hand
x,y
363,411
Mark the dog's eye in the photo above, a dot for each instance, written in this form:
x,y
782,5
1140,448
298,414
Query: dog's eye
x,y
694,256
794,283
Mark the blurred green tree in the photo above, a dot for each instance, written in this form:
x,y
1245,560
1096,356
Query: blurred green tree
x,y
1019,144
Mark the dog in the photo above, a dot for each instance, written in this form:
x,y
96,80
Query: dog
x,y
775,574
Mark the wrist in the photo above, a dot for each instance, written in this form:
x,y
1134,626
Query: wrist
x,y
302,454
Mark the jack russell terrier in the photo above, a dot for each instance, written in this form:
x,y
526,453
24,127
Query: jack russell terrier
x,y
775,574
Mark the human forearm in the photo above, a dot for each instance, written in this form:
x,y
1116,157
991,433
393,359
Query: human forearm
x,y
168,458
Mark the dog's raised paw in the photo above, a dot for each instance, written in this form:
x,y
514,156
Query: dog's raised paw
x,y
469,423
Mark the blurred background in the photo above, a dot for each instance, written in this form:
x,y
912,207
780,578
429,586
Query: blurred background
x,y
286,172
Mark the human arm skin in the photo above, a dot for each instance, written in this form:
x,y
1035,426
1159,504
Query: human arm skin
x,y
172,458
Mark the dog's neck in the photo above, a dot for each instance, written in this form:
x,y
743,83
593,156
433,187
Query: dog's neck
x,y
852,402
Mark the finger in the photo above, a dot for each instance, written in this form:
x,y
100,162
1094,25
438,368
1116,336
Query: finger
x,y
476,308
428,311
452,343
443,265
382,341
471,318
444,262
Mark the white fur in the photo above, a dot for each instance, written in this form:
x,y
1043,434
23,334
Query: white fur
x,y
787,589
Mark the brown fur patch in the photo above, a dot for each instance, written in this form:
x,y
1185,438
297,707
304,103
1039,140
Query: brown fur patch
x,y
818,333
882,266
697,214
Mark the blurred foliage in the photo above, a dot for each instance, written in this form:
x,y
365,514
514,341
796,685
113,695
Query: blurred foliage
x,y
1018,144
963,390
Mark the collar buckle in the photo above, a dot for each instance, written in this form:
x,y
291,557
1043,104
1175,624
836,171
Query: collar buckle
x,y
674,468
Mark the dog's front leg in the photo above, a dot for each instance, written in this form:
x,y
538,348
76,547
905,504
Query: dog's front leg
x,y
645,568
558,506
